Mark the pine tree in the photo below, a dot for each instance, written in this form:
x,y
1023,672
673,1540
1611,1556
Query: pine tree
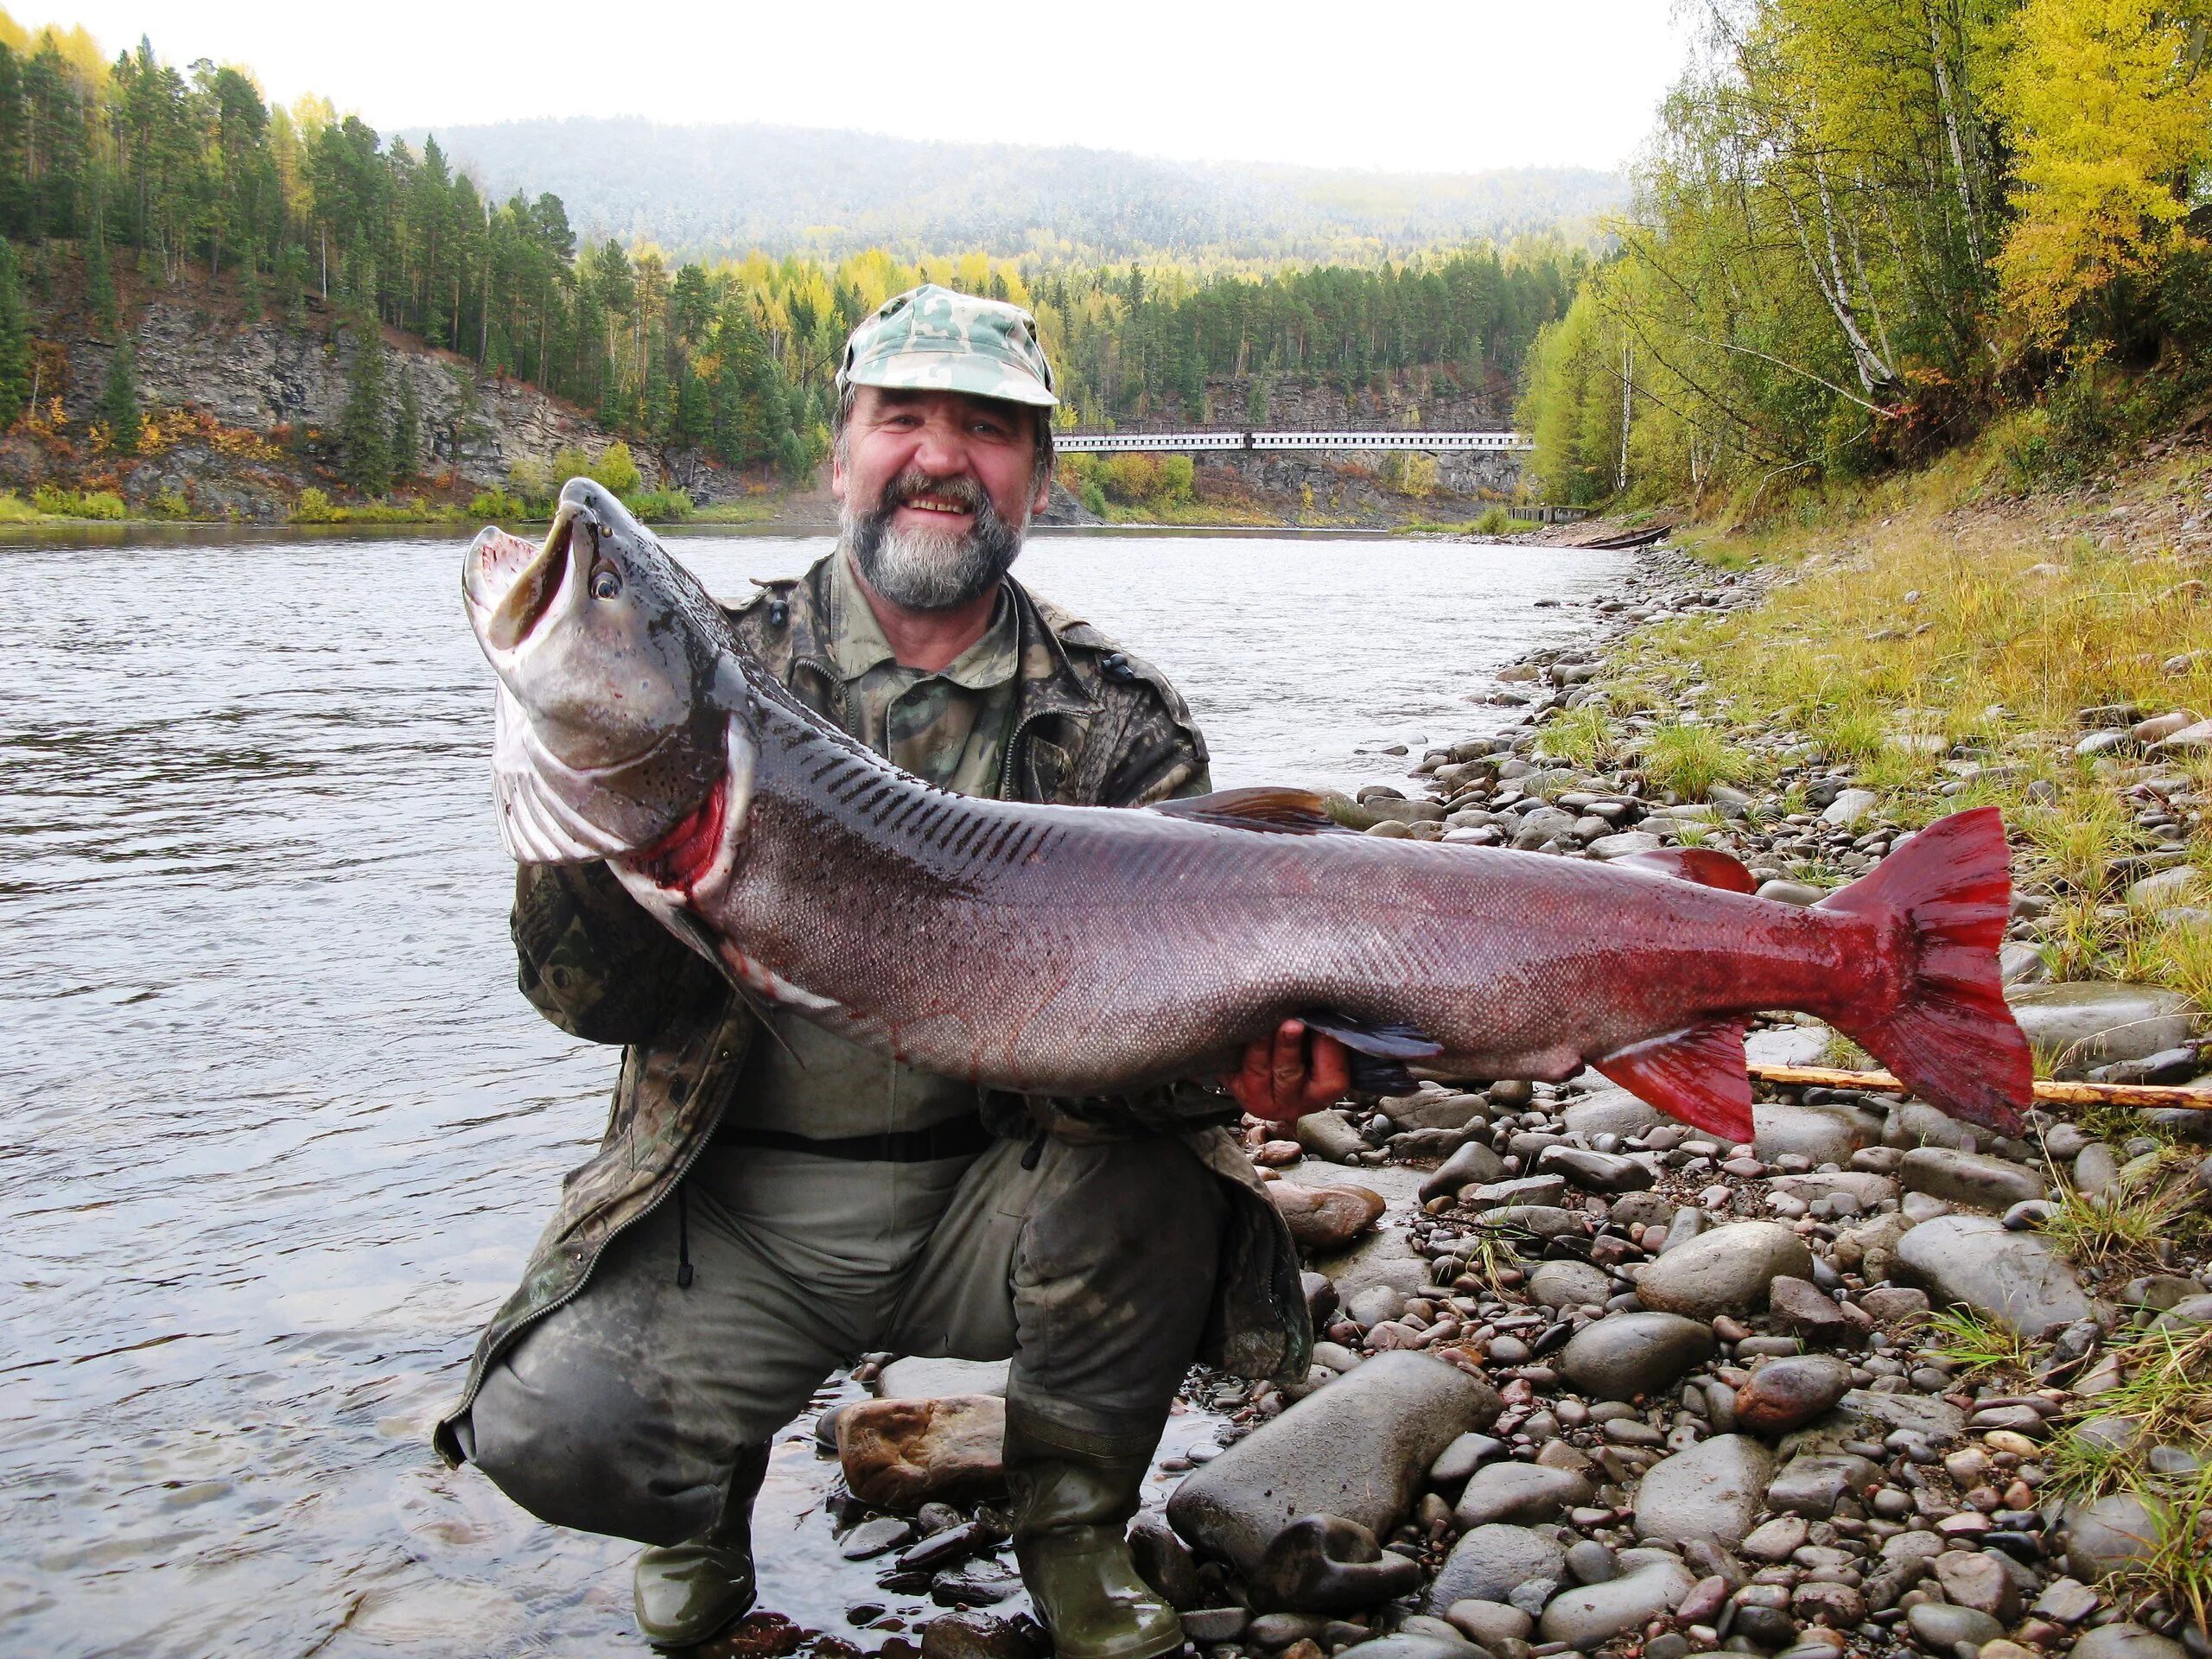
x,y
365,428
14,340
119,403
407,430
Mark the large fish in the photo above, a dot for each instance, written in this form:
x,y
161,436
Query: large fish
x,y
1088,950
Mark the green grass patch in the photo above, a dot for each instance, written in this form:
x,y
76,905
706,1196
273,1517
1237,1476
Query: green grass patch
x,y
1975,1344
1688,760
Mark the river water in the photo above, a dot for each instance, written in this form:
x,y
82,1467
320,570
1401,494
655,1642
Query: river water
x,y
279,1129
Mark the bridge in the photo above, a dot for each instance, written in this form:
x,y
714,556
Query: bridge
x,y
1197,442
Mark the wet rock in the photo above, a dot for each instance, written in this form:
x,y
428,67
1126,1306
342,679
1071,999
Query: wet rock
x,y
2096,1170
1864,1414
2126,1641
1589,1561
2015,1277
1776,1541
1326,1564
1598,1171
1164,1560
1488,1623
1633,1354
1569,1284
1325,1217
1383,1257
1405,1645
1787,1393
1836,1605
1357,1449
1940,1628
1968,1178
1812,1483
1611,1111
1624,843
2067,1601
2087,1025
899,1453
1473,1164
1427,1111
1827,1134
1462,1458
940,1379
2108,1534
1710,1491
1522,1493
1330,1136
1804,1309
1790,892
1724,1271
1863,1188
1651,1583
977,1636
1205,1625
1530,1191
1489,1563
1976,1578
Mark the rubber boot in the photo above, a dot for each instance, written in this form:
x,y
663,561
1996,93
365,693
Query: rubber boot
x,y
685,1593
1072,1498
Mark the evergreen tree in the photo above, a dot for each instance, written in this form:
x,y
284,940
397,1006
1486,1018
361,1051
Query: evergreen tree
x,y
407,430
365,428
14,340
119,402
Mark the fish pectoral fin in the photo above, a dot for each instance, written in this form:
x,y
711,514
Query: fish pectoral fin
x,y
1379,1049
1705,866
1275,811
1696,1076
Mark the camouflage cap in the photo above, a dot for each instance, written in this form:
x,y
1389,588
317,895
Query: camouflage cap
x,y
930,338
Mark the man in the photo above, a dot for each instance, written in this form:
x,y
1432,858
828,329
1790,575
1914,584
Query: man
x,y
767,1205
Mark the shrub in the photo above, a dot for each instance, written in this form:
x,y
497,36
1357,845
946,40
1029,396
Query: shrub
x,y
616,469
531,479
1093,498
14,510
498,504
168,504
314,508
80,504
659,506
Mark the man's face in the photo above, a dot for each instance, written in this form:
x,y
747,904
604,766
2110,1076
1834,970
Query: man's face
x,y
934,490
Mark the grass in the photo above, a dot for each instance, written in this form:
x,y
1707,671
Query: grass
x,y
2123,1227
2166,1391
1921,634
1582,737
1975,1344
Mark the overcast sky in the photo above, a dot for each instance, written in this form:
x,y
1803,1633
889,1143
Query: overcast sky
x,y
1446,88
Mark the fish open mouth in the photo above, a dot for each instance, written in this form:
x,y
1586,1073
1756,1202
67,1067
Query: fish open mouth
x,y
516,585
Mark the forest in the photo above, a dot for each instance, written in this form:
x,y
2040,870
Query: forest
x,y
1866,230
136,164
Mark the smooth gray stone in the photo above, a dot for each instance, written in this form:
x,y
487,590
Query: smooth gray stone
x,y
1725,1270
1473,1164
1403,1646
1651,1583
1968,1178
938,1379
1939,1626
1862,1415
1569,1284
2016,1277
1827,1134
1633,1354
1521,1493
2096,1170
1462,1458
2107,1533
1611,1111
1711,1491
1486,1624
1330,1136
1385,1256
1812,1483
1598,1171
1357,1449
1489,1563
2087,1025
1427,1111
2126,1641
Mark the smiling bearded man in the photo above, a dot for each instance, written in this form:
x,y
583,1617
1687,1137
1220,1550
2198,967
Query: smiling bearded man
x,y
767,1208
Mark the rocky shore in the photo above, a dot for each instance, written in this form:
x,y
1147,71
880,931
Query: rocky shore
x,y
1590,1381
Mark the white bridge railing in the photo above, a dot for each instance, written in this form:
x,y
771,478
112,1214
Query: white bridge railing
x,y
1428,442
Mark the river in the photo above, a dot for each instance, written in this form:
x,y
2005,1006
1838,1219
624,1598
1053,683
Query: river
x,y
280,1128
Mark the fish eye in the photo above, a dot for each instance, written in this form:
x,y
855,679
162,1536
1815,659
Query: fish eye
x,y
605,584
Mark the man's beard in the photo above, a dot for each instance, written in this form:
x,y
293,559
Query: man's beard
x,y
921,569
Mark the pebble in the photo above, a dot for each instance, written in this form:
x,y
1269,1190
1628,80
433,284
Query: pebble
x,y
1525,1493
1489,1562
1633,1354
1787,1394
1940,1627
1725,1270
1711,1491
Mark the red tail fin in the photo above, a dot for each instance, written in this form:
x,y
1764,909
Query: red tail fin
x,y
1950,1038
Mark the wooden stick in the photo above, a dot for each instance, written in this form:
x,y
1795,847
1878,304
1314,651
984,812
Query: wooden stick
x,y
2058,1093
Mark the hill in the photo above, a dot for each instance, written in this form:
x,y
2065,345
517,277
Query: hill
x,y
702,191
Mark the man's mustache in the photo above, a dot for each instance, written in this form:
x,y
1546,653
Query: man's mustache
x,y
962,493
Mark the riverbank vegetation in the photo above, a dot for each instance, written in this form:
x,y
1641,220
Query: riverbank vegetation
x,y
1866,230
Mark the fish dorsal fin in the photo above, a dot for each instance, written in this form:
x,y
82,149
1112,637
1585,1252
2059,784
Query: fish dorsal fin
x,y
1277,812
1379,1049
1696,1076
1702,865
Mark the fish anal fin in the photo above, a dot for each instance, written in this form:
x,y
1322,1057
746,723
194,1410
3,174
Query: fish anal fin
x,y
1272,811
1705,866
1696,1076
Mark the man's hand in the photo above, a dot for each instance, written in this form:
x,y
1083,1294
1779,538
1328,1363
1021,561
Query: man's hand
x,y
1290,1074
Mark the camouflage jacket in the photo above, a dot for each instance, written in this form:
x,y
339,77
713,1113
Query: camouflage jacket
x,y
1092,725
